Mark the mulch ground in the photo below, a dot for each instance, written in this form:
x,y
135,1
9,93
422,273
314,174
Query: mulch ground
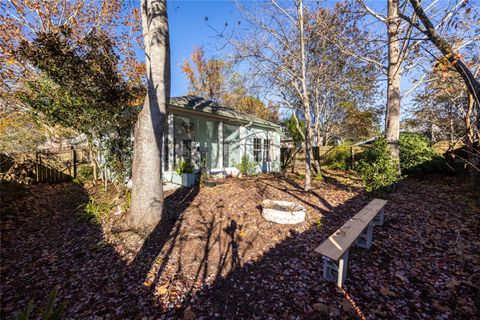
x,y
214,256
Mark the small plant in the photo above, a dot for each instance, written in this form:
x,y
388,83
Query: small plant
x,y
377,168
184,167
85,173
49,312
93,212
319,177
247,166
319,224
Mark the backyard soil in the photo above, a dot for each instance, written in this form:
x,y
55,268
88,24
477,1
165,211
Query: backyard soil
x,y
214,256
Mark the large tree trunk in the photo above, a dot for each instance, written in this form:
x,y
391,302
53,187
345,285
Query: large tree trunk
x,y
393,87
147,193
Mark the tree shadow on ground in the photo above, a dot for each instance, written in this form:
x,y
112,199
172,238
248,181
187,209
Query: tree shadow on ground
x,y
412,255
285,282
44,244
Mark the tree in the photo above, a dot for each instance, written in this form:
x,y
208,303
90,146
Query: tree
x,y
276,53
357,125
461,17
392,125
78,85
28,21
290,58
206,77
215,79
147,192
343,87
471,83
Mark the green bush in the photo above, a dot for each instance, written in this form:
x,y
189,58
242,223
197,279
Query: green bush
x,y
338,157
185,167
417,156
247,166
376,167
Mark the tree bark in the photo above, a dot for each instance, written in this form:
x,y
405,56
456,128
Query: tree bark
x,y
393,86
473,153
147,192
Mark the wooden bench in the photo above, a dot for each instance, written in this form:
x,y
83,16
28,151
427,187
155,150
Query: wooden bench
x,y
358,230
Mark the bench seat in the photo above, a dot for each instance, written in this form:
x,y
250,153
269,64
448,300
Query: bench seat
x,y
359,230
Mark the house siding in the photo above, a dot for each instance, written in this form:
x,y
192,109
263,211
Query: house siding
x,y
208,143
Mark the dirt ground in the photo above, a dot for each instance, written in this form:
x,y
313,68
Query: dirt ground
x,y
214,256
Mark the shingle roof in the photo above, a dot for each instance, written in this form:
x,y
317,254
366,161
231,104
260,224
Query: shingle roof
x,y
200,104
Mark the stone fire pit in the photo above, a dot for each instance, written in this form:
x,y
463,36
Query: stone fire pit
x,y
283,212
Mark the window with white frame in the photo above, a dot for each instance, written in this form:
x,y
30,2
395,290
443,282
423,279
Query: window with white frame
x,y
257,149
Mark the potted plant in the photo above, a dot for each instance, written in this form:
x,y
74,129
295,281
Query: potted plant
x,y
184,174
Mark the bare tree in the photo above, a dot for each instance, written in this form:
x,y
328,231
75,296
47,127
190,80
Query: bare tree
x,y
147,193
472,84
275,49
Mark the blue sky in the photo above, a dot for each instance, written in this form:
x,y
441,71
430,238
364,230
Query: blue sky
x,y
189,30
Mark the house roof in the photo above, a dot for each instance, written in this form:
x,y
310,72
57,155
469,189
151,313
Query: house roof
x,y
199,104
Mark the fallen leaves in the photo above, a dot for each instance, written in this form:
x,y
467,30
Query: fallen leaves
x,y
221,259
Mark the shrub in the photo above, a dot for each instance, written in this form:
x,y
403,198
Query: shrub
x,y
338,157
417,156
376,167
185,167
247,166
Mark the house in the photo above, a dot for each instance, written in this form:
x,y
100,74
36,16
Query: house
x,y
207,135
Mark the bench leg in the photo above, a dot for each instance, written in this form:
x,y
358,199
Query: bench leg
x,y
380,218
365,239
336,272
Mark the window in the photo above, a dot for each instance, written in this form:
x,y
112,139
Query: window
x,y
266,149
187,150
257,149
165,156
226,154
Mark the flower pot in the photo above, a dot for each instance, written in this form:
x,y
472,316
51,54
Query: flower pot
x,y
176,178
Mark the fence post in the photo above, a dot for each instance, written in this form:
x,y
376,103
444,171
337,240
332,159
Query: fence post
x,y
74,161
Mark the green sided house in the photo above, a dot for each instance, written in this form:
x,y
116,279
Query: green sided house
x,y
207,135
